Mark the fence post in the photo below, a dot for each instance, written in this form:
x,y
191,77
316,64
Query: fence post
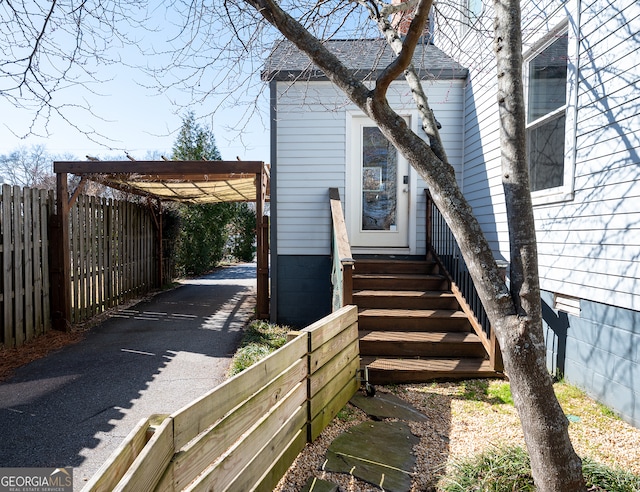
x,y
60,264
347,283
262,246
160,239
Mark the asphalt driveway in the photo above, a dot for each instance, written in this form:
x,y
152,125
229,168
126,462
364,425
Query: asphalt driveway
x,y
75,406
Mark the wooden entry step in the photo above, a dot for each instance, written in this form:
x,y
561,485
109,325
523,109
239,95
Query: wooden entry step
x,y
398,370
405,299
384,265
413,320
411,326
399,281
421,344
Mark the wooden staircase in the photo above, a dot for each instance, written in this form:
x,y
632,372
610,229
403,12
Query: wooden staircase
x,y
411,326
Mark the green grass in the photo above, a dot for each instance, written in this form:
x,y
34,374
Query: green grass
x,y
498,470
508,469
500,392
601,478
572,400
494,392
474,389
260,339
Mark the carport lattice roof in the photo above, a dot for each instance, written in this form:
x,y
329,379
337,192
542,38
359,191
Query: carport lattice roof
x,y
182,181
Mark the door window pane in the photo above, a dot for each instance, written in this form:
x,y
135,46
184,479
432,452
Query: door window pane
x,y
379,181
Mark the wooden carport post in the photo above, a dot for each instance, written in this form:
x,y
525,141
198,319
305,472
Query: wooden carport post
x,y
262,246
60,258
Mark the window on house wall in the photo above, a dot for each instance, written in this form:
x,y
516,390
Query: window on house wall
x,y
474,9
546,75
470,13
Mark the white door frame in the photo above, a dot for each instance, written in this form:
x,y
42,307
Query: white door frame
x,y
354,121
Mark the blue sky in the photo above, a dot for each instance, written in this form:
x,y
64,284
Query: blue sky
x,y
130,117
134,120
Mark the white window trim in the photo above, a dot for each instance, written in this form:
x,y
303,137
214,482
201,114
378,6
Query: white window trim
x,y
566,191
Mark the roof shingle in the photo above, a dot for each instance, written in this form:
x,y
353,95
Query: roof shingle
x,y
365,57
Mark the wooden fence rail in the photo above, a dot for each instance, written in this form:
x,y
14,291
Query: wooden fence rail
x,y
244,434
24,298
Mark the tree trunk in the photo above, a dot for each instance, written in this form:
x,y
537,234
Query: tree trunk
x,y
554,463
515,314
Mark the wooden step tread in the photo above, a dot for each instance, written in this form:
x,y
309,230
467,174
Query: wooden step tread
x,y
398,276
464,365
430,294
421,337
412,313
386,261
406,370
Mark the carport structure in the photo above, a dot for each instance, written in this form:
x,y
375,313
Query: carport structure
x,y
194,182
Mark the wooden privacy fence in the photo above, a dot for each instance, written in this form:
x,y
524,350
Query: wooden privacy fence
x,y
113,251
113,254
244,434
24,251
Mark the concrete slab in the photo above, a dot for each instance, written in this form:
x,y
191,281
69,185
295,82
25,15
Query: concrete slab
x,y
74,407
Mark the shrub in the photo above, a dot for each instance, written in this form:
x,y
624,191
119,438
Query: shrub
x,y
260,339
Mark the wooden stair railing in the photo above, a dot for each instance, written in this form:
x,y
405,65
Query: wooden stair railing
x,y
445,250
342,269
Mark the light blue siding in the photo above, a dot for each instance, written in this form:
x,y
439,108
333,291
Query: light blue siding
x,y
311,156
597,351
589,244
589,239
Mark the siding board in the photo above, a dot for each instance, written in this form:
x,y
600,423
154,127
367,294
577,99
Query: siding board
x,y
311,154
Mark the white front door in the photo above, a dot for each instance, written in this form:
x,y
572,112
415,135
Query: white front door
x,y
378,187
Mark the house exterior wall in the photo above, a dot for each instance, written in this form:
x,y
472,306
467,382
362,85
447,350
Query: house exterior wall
x,y
309,156
598,351
589,233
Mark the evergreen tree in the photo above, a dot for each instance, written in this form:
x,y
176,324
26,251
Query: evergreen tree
x,y
195,142
209,232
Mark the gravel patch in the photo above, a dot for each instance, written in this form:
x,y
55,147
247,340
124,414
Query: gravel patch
x,y
463,420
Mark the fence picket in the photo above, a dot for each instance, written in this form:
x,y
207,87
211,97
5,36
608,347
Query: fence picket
x,y
46,209
100,261
7,267
74,237
36,217
18,272
93,239
108,251
28,264
82,257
